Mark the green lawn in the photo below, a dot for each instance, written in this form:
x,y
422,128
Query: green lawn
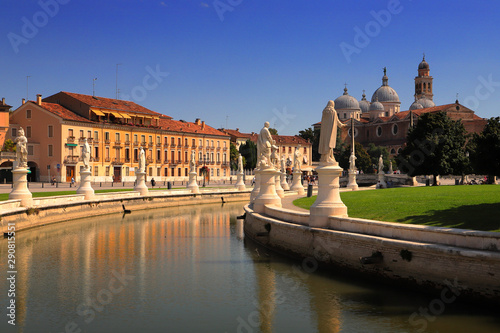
x,y
469,207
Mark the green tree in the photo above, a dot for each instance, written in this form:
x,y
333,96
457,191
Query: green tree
x,y
313,137
249,151
375,152
233,156
273,131
436,146
484,149
363,160
9,145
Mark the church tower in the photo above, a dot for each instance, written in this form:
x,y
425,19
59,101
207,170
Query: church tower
x,y
423,82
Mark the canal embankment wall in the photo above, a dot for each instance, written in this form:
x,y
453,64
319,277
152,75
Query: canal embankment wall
x,y
47,210
432,258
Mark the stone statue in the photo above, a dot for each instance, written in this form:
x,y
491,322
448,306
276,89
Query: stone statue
x,y
240,164
390,168
142,161
380,164
352,162
283,164
274,156
86,155
264,144
21,150
297,163
192,163
328,135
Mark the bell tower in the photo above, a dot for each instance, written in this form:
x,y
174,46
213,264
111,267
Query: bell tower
x,y
423,82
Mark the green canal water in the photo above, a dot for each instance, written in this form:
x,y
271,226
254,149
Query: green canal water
x,y
190,270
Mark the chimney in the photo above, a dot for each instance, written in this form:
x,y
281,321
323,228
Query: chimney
x,y
197,121
39,99
202,125
24,101
237,129
3,100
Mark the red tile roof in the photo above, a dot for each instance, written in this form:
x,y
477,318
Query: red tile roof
x,y
113,104
62,112
187,127
236,133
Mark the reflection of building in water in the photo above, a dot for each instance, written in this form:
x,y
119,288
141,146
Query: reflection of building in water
x,y
325,305
266,294
23,267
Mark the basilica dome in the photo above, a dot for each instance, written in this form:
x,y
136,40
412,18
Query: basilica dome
x,y
416,105
385,93
346,102
364,105
376,106
425,102
423,64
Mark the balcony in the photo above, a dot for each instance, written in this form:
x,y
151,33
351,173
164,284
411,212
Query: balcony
x,y
90,140
186,146
118,161
149,160
225,148
81,139
96,141
71,159
127,159
94,159
165,145
225,164
136,143
150,144
193,146
117,144
107,159
158,145
143,144
173,145
165,161
107,141
127,143
70,139
218,162
158,161
218,148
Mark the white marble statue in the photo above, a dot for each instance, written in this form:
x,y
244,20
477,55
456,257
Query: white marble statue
x,y
264,144
86,155
240,164
380,164
192,163
352,162
390,168
283,164
297,160
274,156
328,134
21,150
142,161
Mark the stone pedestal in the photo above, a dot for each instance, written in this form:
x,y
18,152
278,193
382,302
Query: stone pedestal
x,y
256,187
193,184
267,193
495,180
381,180
20,187
240,184
413,181
284,183
85,185
297,183
279,189
140,183
328,202
352,181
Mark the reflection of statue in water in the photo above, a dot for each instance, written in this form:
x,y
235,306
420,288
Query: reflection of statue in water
x,y
192,163
380,164
328,133
240,164
21,150
297,163
142,161
352,161
264,144
86,155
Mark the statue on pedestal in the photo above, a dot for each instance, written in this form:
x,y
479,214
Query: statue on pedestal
x,y
265,143
328,135
352,162
297,160
192,163
283,164
380,164
142,161
21,150
240,164
86,155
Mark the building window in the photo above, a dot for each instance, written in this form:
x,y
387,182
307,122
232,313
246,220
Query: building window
x,y
179,156
28,114
201,143
107,171
186,172
158,172
211,157
355,132
172,158
158,139
165,155
50,131
81,133
106,136
96,136
150,172
218,173
186,157
14,132
117,137
96,171
70,132
158,156
127,138
193,142
165,141
30,150
50,151
179,172
224,172
393,151
127,154
107,153
172,173
172,142
399,151
143,139
96,154
186,142
179,143
28,131
395,129
166,172
136,155
218,157
224,158
89,134
379,131
127,171
200,156
150,139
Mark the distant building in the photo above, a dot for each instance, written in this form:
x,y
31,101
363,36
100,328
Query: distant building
x,y
57,126
286,144
382,123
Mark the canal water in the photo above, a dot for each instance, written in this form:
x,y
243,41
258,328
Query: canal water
x,y
189,269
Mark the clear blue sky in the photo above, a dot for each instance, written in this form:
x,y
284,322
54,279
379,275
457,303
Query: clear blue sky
x,y
277,61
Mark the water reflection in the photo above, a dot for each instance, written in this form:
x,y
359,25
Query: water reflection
x,y
191,270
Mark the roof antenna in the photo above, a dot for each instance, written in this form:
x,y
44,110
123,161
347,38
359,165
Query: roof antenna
x,y
93,87
117,90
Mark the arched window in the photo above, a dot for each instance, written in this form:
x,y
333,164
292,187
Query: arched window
x,y
379,131
395,129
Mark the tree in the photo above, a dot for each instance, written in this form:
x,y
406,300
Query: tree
x,y
249,151
363,161
9,145
313,137
375,152
436,146
484,149
233,156
273,131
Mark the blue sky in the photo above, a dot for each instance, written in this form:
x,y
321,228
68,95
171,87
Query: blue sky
x,y
242,62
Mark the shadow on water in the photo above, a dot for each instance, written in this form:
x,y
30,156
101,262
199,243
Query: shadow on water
x,y
484,217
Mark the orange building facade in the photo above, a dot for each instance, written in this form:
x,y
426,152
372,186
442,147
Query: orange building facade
x,y
57,126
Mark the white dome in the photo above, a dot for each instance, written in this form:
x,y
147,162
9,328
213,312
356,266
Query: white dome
x,y
416,105
346,102
426,103
385,93
376,106
364,105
